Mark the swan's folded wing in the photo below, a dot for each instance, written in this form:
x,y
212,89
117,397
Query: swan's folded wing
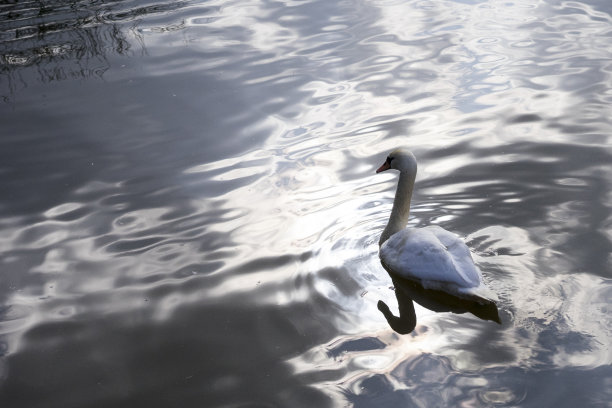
x,y
419,254
460,255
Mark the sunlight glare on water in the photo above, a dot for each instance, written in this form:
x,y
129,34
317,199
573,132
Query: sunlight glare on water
x,y
190,212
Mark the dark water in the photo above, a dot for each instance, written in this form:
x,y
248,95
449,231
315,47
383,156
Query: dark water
x,y
189,215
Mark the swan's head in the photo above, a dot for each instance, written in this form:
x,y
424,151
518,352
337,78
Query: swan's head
x,y
400,159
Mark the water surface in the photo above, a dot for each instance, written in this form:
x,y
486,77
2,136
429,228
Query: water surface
x,y
189,212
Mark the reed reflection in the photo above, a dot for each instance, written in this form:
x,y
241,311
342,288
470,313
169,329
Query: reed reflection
x,y
56,41
407,292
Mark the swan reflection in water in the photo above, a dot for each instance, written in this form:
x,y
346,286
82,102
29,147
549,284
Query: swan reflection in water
x,y
408,291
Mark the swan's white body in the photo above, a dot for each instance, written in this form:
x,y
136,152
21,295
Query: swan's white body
x,y
432,256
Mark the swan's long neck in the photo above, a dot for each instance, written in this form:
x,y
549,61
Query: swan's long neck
x,y
401,206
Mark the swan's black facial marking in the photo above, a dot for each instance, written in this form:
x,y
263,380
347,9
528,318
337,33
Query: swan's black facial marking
x,y
386,165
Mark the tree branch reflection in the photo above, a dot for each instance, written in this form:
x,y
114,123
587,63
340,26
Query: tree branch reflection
x,y
56,41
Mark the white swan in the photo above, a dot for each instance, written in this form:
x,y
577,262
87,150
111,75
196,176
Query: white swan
x,y
431,256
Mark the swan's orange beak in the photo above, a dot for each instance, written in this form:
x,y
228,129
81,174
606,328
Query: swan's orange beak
x,y
386,166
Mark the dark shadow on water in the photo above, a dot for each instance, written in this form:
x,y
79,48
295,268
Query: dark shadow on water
x,y
407,292
206,354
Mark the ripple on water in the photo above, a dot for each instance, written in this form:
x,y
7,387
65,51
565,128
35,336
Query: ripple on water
x,y
223,248
13,318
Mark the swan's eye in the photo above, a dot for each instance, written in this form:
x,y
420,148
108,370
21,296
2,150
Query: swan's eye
x,y
389,158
